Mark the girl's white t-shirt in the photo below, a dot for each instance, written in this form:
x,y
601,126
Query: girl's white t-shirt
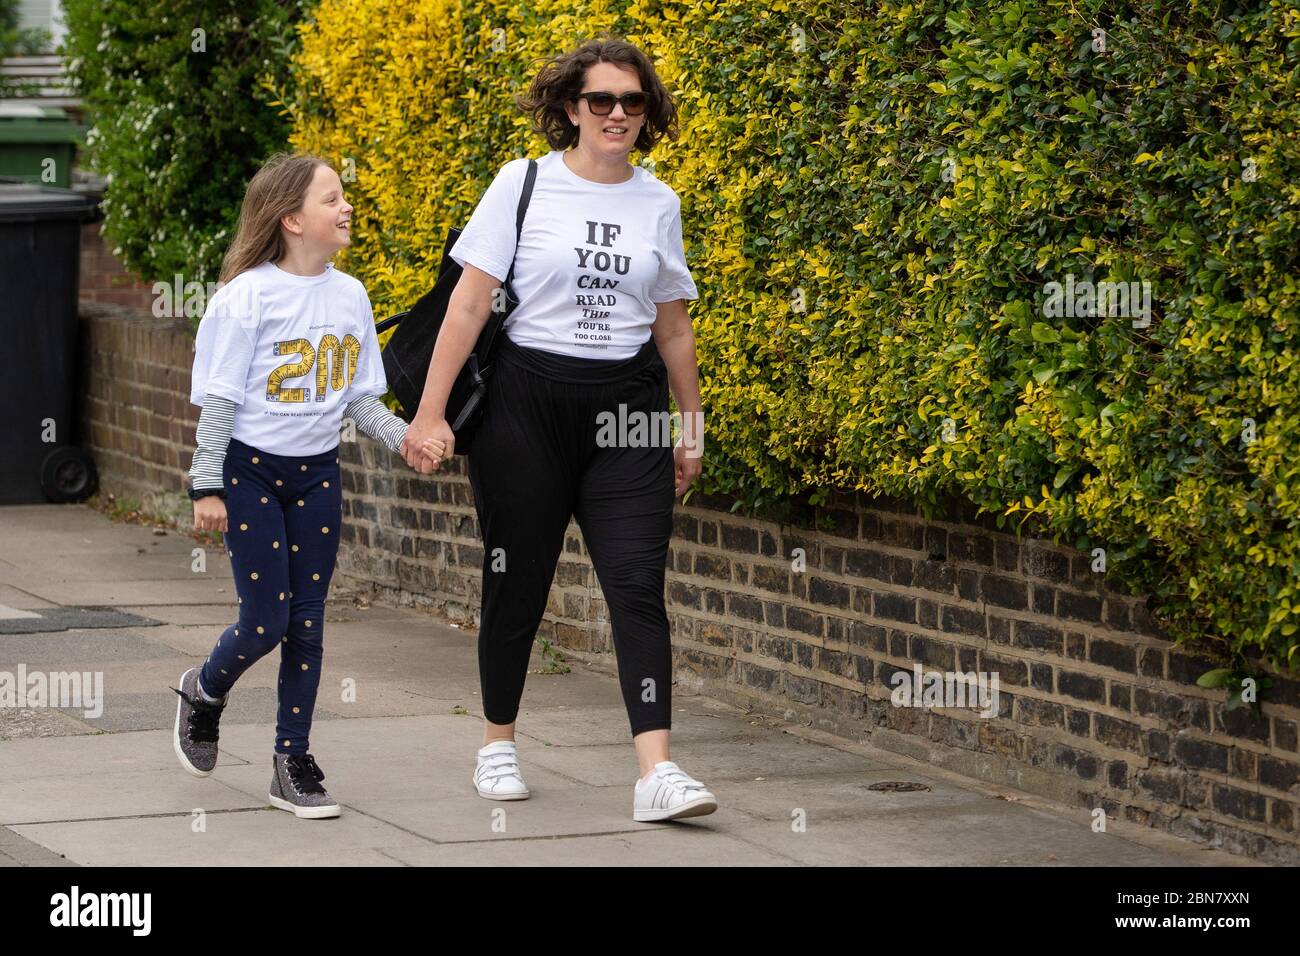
x,y
593,260
291,352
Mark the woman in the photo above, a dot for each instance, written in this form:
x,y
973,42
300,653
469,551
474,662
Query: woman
x,y
600,334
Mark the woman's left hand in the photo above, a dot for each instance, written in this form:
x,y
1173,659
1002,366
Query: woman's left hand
x,y
687,467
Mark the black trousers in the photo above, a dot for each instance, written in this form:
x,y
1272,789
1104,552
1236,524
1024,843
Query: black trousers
x,y
548,448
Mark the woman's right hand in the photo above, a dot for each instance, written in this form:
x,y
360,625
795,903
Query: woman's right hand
x,y
413,445
210,514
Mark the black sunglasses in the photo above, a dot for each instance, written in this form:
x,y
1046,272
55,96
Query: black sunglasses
x,y
602,103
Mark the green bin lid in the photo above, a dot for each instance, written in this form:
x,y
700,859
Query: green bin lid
x,y
23,202
23,123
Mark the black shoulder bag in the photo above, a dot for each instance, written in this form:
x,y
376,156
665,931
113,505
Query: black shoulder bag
x,y
410,348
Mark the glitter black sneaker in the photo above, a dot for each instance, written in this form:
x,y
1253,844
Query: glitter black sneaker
x,y
295,786
195,735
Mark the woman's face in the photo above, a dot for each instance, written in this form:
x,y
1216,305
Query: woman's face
x,y
594,132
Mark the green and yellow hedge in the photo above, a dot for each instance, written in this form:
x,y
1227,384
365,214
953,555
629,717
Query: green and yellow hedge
x,y
874,198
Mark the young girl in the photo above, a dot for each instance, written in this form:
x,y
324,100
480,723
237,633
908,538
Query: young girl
x,y
286,349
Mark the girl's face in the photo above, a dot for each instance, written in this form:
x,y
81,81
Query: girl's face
x,y
325,220
595,132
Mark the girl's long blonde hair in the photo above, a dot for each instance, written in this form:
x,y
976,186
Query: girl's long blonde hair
x,y
276,190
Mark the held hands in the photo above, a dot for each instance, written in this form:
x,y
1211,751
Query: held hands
x,y
433,452
425,448
425,457
210,514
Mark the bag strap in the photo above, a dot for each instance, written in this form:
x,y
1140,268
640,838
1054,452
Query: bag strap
x,y
524,197
385,324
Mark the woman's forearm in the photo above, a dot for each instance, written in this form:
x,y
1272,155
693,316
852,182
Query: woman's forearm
x,y
678,353
457,338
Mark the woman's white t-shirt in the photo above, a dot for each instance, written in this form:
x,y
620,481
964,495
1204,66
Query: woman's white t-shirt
x,y
593,260
291,352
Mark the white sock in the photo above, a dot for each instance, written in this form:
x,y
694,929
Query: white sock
x,y
204,694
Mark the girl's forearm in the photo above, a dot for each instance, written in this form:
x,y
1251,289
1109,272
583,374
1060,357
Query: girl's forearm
x,y
374,419
212,436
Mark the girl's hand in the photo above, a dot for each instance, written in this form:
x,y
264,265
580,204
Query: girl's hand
x,y
418,434
434,451
210,514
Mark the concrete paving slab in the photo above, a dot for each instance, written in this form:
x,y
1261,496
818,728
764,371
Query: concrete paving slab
x,y
34,758
711,761
215,615
584,726
221,613
19,722
116,593
8,613
106,796
152,711
408,742
845,797
78,650
149,564
18,851
682,845
976,833
22,600
267,837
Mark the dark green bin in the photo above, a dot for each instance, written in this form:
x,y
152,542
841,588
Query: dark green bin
x,y
38,144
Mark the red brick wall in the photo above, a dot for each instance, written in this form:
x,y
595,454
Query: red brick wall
x,y
136,415
103,279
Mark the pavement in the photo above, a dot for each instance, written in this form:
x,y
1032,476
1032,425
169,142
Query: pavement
x,y
82,592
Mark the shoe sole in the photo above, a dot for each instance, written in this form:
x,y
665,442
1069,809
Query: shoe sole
x,y
699,807
306,813
503,796
176,734
489,795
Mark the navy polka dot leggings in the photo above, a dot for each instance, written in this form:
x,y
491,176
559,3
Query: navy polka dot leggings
x,y
283,515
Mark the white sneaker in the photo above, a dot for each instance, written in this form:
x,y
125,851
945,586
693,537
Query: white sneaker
x,y
670,794
496,775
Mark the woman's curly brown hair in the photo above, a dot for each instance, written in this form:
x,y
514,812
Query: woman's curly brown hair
x,y
560,79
